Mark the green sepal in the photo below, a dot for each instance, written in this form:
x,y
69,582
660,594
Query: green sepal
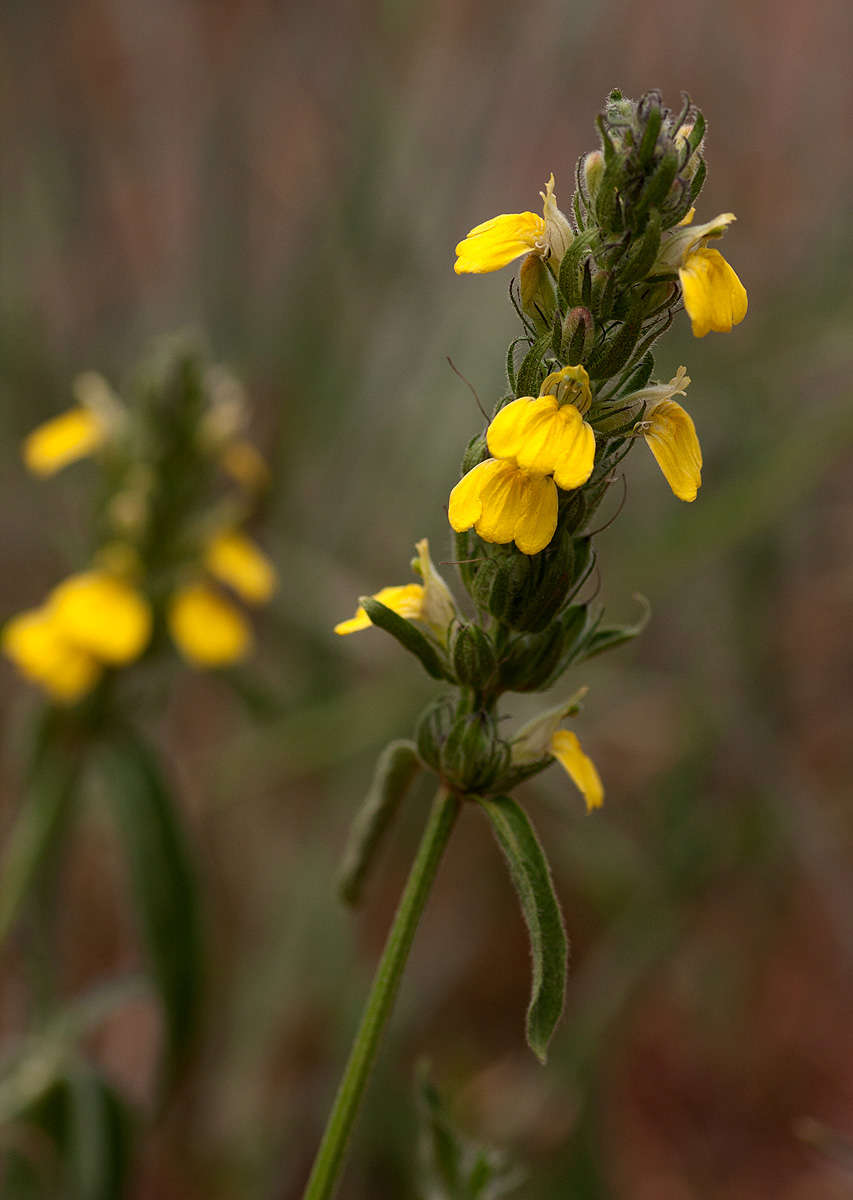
x,y
569,281
698,181
532,372
164,888
472,655
641,256
529,870
646,150
656,189
638,376
406,634
396,768
608,637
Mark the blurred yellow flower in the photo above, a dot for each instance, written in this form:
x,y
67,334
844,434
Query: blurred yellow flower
x,y
245,465
496,242
505,503
44,655
235,560
62,440
207,628
581,769
103,615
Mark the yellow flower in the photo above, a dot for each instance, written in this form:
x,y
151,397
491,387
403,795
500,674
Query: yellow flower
x,y
496,242
566,748
406,600
545,438
430,601
234,559
63,440
245,465
671,435
714,297
102,615
41,652
505,503
207,628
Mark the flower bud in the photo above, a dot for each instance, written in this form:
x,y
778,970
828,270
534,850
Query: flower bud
x,y
578,335
537,292
472,656
473,755
592,170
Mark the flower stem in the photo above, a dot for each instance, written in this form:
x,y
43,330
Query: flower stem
x,y
329,1160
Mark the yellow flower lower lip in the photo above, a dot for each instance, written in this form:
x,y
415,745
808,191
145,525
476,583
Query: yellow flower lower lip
x,y
671,436
714,297
103,615
406,600
506,503
208,629
39,650
580,768
545,438
495,243
235,560
62,440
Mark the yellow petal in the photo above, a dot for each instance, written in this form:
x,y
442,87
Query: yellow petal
x,y
503,500
508,431
537,522
70,436
235,560
671,436
572,448
245,465
208,629
496,242
581,769
714,297
103,615
405,599
545,439
39,651
465,504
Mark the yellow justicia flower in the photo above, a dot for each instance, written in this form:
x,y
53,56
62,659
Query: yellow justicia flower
x,y
671,436
103,615
407,600
580,768
548,435
207,628
43,654
505,503
73,434
714,297
495,243
430,601
234,559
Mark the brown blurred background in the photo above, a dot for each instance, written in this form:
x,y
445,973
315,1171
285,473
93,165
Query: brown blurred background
x,y
291,179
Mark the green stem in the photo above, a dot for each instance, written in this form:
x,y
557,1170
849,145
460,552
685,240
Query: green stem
x,y
329,1160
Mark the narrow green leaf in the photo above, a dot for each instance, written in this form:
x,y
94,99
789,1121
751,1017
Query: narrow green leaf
x,y
529,870
98,1137
406,634
162,877
395,769
531,372
49,792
